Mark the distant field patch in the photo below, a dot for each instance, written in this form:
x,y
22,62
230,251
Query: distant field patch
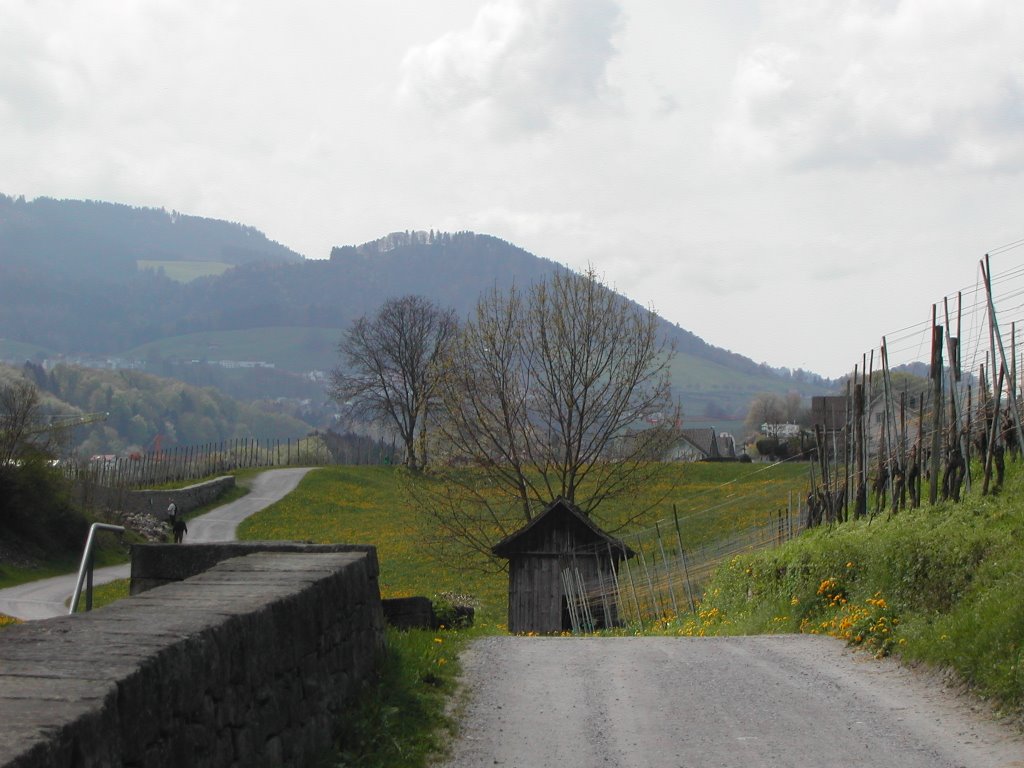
x,y
185,271
17,351
289,348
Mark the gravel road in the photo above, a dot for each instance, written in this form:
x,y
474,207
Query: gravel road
x,y
45,598
797,701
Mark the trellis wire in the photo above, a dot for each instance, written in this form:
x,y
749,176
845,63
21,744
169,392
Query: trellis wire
x,y
187,463
663,578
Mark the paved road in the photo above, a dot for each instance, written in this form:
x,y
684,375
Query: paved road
x,y
793,701
46,598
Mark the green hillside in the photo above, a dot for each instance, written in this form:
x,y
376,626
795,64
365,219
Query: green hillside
x,y
17,351
288,347
185,271
98,240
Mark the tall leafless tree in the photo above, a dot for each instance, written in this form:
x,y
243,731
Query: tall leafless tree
x,y
767,411
392,360
562,391
19,412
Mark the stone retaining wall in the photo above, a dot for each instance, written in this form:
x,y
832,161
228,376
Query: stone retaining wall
x,y
154,565
153,502
250,663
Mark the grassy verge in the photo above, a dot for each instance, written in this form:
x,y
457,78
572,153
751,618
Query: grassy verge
x,y
940,584
402,719
104,594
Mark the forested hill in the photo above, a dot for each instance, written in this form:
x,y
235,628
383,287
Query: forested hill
x,y
97,240
453,269
144,410
56,299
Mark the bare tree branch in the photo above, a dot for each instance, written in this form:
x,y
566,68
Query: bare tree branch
x,y
393,367
562,392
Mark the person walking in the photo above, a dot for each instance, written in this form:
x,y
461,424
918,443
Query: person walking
x,y
179,528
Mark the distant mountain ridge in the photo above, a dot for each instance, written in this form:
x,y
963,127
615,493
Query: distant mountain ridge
x,y
108,239
287,311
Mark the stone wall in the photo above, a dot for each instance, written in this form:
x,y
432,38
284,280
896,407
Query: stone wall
x,y
249,663
153,502
154,565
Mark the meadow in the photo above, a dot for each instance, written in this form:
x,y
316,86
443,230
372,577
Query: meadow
x,y
185,271
289,348
371,505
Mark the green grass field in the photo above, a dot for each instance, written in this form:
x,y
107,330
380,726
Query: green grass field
x,y
289,348
369,505
16,350
185,271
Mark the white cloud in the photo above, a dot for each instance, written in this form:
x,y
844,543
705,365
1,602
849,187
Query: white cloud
x,y
859,82
520,64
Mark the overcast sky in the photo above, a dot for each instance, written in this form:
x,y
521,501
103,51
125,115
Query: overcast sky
x,y
788,180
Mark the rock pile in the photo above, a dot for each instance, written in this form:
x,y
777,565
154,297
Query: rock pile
x,y
144,524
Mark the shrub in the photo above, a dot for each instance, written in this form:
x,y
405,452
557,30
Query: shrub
x,y
35,507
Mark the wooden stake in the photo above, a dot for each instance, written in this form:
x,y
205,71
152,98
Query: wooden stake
x,y
936,376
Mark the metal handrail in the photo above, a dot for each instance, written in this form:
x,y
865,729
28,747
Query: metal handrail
x,y
86,566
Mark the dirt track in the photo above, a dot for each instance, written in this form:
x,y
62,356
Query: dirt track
x,y
751,702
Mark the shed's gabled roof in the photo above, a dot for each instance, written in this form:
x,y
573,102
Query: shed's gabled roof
x,y
703,439
560,511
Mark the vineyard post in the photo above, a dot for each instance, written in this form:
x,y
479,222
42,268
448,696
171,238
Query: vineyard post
x,y
682,557
615,577
903,450
1013,371
891,463
860,507
655,601
668,572
848,449
994,327
968,425
826,481
936,377
993,435
582,591
632,588
869,372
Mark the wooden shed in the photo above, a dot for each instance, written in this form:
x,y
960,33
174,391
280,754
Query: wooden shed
x,y
556,557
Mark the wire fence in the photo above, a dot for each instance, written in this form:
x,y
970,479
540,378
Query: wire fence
x,y
665,569
193,463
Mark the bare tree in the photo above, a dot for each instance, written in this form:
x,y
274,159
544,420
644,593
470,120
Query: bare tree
x,y
561,392
768,411
19,411
795,410
392,360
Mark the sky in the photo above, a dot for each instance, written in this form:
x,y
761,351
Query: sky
x,y
787,180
